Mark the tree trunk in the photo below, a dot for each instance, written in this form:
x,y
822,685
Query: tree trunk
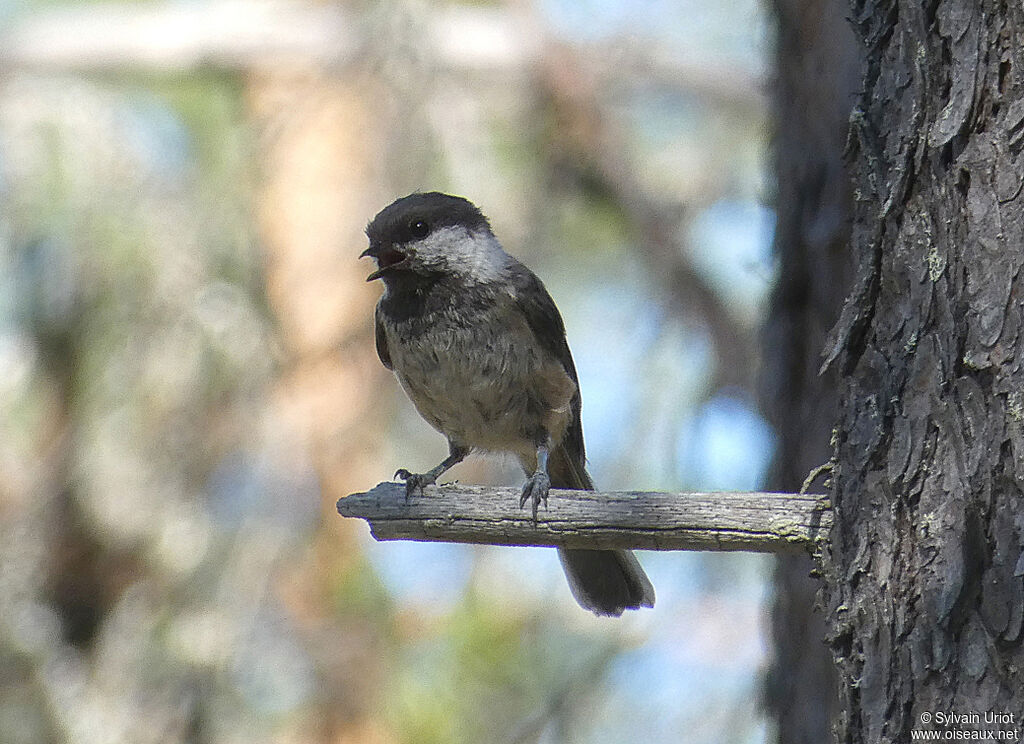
x,y
315,130
924,570
817,73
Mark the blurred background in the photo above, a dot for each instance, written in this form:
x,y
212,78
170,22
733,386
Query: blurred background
x,y
188,381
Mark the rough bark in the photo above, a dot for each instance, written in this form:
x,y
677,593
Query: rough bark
x,y
758,522
924,571
816,80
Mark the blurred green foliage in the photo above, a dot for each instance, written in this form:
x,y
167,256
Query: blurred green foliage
x,y
165,571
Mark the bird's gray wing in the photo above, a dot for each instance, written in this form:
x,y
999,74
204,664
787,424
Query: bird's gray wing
x,y
381,339
545,321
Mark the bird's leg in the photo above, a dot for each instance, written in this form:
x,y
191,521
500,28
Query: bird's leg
x,y
537,485
414,482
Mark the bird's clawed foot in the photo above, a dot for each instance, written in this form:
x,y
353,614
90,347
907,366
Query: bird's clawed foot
x,y
536,490
414,482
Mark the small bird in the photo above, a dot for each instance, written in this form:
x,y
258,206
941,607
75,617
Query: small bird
x,y
479,347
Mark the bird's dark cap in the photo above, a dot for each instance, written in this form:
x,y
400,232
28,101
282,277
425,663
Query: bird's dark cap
x,y
404,220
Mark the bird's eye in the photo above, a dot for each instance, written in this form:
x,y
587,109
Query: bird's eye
x,y
419,228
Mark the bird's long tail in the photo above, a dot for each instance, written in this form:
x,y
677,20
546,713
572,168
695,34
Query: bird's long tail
x,y
606,582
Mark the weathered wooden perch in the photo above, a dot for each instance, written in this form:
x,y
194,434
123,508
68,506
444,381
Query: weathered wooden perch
x,y
756,522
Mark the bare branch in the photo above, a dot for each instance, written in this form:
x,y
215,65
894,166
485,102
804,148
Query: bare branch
x,y
754,522
178,36
233,35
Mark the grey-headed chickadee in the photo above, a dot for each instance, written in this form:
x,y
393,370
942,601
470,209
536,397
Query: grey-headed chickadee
x,y
478,345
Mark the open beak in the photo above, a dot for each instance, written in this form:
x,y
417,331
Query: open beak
x,y
386,258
